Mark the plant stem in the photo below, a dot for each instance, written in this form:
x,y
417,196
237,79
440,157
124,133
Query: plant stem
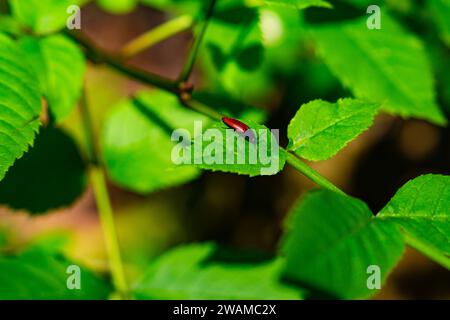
x,y
301,166
109,229
427,250
156,35
98,56
98,182
189,65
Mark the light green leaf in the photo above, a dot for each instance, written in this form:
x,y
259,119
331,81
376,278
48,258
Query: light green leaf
x,y
9,25
389,66
49,176
332,240
117,6
43,16
37,275
422,208
20,104
205,271
60,64
320,129
225,150
136,142
297,4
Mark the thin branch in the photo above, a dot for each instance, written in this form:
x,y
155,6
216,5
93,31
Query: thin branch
x,y
156,35
427,250
189,65
104,207
98,56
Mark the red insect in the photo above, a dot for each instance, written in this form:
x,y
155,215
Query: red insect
x,y
239,127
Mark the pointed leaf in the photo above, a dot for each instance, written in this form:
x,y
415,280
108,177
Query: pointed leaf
x,y
422,208
320,129
20,104
60,64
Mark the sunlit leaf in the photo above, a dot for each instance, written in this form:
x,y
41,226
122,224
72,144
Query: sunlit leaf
x,y
422,208
60,65
20,104
320,129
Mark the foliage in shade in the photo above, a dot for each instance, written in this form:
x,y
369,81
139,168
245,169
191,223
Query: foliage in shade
x,y
136,142
422,208
440,10
389,66
51,175
320,129
331,241
60,65
43,16
238,60
37,275
201,271
20,104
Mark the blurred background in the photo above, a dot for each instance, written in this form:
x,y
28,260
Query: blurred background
x,y
231,209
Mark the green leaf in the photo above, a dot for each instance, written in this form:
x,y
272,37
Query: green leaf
x,y
42,16
320,129
20,104
373,64
37,275
422,208
298,4
201,271
118,6
51,175
440,10
9,25
225,150
136,142
332,240
60,65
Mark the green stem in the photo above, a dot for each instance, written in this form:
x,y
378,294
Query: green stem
x,y
427,250
156,35
189,65
104,207
313,175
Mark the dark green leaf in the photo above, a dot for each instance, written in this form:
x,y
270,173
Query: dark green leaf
x,y
51,175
